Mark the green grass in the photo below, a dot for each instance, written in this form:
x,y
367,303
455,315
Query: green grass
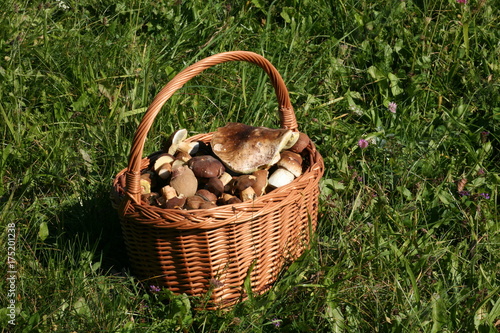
x,y
398,248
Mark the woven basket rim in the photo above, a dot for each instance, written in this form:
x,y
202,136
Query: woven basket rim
x,y
251,208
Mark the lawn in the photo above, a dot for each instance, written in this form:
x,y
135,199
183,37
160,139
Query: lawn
x,y
402,99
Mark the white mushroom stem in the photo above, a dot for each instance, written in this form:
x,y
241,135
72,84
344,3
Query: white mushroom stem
x,y
281,177
160,161
164,171
248,194
175,139
225,178
168,192
189,147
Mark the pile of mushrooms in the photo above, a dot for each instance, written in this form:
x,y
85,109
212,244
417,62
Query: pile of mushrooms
x,y
240,163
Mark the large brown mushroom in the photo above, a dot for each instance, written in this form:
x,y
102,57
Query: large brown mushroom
x,y
245,149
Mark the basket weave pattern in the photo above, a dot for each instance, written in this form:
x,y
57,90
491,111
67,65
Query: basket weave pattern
x,y
187,250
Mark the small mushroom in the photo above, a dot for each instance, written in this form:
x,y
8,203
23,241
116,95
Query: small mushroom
x,y
162,160
149,177
228,199
189,147
234,200
206,166
145,186
172,143
184,181
164,171
207,205
215,186
260,182
194,202
206,195
291,161
243,182
183,156
176,202
225,178
301,144
168,192
245,149
150,198
247,194
281,177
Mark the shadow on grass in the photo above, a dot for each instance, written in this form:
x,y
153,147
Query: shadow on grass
x,y
94,223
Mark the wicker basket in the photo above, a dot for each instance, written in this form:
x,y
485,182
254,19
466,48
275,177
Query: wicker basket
x,y
197,251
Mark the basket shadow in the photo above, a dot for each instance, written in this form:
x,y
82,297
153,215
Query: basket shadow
x,y
94,224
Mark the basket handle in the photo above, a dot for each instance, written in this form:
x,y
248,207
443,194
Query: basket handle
x,y
286,113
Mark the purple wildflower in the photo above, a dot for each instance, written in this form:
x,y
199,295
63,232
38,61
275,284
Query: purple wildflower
x,y
485,195
462,1
276,322
484,136
464,193
392,107
481,172
362,143
154,289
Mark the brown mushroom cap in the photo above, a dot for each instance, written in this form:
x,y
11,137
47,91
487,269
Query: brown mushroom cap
x,y
206,166
177,163
243,182
228,199
301,143
206,195
184,181
260,182
176,202
291,161
245,149
207,205
215,186
194,202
